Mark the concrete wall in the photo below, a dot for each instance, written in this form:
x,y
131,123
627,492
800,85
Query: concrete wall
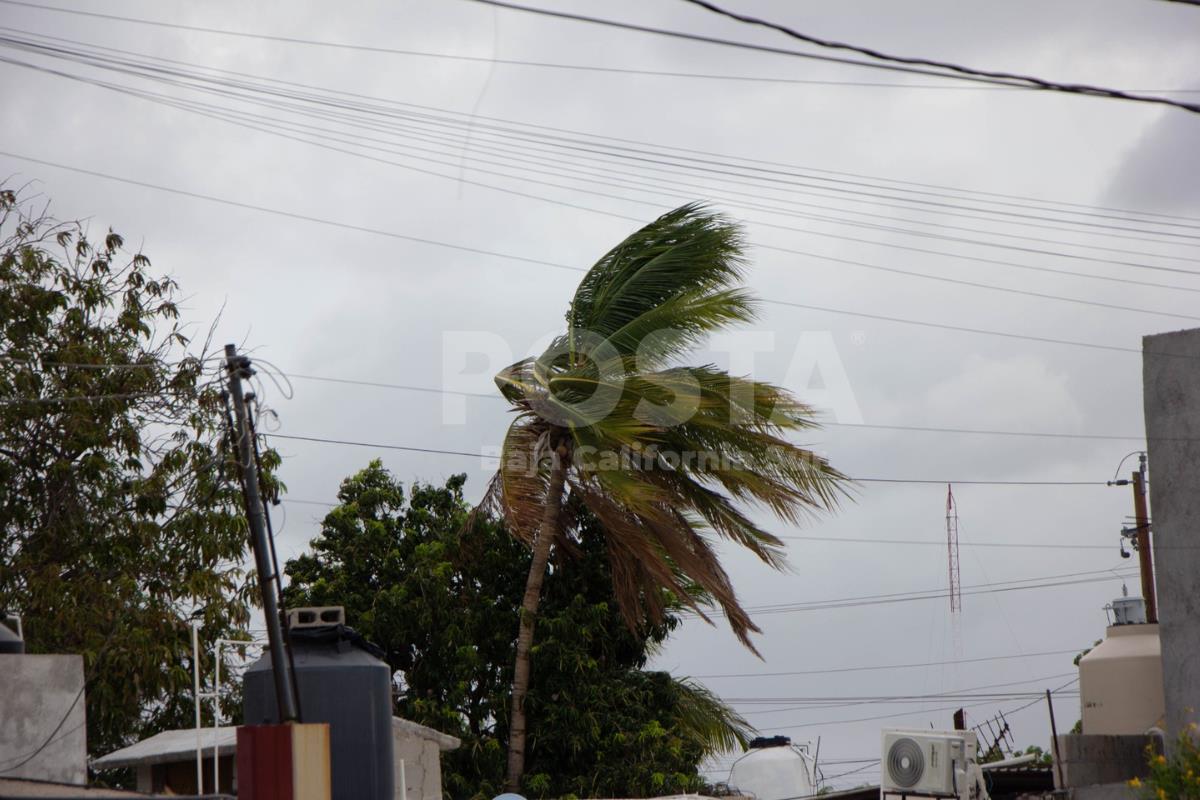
x,y
38,692
1171,397
422,766
1092,760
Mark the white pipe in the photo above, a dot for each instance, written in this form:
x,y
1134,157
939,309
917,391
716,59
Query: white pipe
x,y
403,782
216,701
196,694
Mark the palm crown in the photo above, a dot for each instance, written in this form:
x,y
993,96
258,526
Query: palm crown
x,y
663,455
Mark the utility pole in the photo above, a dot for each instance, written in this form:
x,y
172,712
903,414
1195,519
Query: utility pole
x,y
1145,561
238,368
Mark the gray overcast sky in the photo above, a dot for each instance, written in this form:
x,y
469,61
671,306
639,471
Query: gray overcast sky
x,y
321,300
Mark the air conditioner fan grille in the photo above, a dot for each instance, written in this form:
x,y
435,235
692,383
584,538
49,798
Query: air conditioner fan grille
x,y
905,762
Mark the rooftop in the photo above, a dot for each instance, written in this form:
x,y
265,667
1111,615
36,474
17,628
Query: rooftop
x,y
179,745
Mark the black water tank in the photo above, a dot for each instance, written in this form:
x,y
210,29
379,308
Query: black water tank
x,y
340,682
10,642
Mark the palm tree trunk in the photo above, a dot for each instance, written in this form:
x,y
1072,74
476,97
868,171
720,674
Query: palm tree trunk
x,y
529,607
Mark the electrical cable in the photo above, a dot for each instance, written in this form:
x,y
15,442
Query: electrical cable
x,y
823,423
836,722
437,451
288,376
1103,572
828,605
624,70
702,152
471,125
844,774
368,48
238,118
882,667
1036,83
973,693
524,259
275,578
852,540
893,63
59,53
23,760
275,131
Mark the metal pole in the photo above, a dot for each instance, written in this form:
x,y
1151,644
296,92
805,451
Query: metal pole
x,y
1054,741
285,698
1145,561
196,693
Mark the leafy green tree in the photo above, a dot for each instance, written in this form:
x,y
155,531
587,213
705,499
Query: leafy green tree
x,y
117,525
661,454
1174,777
439,594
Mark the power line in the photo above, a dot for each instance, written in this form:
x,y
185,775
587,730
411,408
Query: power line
x,y
158,73
472,121
238,117
934,543
846,540
368,48
968,482
557,65
276,128
379,446
882,667
835,722
868,426
524,259
498,398
1102,572
973,693
863,768
890,599
892,63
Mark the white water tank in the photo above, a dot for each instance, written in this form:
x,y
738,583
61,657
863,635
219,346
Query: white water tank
x,y
1121,682
773,769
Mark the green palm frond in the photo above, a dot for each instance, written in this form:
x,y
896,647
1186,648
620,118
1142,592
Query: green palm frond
x,y
686,252
709,719
691,450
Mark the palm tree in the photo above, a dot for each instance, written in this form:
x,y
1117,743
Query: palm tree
x,y
661,454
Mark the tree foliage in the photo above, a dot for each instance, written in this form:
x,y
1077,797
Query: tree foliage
x,y
117,524
441,597
1173,777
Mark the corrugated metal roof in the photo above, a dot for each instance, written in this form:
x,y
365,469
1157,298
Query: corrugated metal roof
x,y
170,746
179,745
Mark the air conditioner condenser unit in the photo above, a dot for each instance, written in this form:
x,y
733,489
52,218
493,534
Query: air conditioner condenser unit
x,y
928,763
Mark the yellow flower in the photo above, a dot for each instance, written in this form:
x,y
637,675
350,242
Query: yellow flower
x,y
1162,794
1136,783
1160,760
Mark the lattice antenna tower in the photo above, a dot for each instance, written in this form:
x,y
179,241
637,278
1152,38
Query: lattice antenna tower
x,y
952,562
